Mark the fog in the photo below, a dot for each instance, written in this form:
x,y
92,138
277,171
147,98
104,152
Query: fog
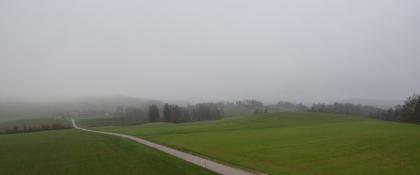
x,y
321,50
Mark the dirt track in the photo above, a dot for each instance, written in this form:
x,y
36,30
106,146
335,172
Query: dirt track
x,y
202,162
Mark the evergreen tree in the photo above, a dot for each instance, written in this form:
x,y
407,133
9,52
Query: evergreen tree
x,y
154,113
166,113
417,109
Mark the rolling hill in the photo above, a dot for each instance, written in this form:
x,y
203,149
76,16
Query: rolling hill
x,y
295,143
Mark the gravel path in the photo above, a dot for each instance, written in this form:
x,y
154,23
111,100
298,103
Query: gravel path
x,y
202,162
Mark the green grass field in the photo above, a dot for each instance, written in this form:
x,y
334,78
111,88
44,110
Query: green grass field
x,y
234,111
106,121
77,152
296,143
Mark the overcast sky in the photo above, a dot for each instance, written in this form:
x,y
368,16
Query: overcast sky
x,y
300,50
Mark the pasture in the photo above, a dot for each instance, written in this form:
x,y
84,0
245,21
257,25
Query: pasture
x,y
77,152
295,143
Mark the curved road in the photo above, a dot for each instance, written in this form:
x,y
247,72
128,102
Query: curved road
x,y
202,162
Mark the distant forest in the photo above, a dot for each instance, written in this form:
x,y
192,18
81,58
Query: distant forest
x,y
345,108
407,112
172,113
138,113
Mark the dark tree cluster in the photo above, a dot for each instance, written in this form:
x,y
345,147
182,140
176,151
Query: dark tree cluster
x,y
408,112
154,115
207,111
178,114
249,102
32,128
129,113
345,108
297,107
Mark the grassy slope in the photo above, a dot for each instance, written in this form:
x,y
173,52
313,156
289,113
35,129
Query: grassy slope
x,y
296,143
105,121
232,111
77,152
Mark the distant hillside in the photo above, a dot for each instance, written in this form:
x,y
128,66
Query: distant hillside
x,y
32,109
384,104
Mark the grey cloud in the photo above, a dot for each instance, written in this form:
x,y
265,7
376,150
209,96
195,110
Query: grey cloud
x,y
210,50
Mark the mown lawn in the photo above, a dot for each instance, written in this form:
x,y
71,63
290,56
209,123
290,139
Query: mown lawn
x,y
296,143
77,152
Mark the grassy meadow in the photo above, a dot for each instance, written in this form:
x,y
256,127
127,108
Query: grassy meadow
x,y
105,121
77,152
295,143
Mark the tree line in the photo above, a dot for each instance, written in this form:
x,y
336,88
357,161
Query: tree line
x,y
289,105
177,114
32,128
408,112
130,114
249,102
344,108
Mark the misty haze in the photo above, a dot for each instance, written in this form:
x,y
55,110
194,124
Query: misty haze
x,y
210,87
